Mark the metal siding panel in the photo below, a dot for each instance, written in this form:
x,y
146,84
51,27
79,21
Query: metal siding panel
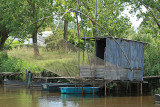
x,y
119,54
110,47
133,55
114,52
127,50
124,60
141,60
130,75
134,52
137,60
108,50
142,47
141,56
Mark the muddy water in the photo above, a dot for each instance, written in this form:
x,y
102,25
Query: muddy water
x,y
20,97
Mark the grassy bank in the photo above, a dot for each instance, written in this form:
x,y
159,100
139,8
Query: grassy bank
x,y
59,62
12,64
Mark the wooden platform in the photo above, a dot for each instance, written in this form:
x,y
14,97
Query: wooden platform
x,y
10,73
110,73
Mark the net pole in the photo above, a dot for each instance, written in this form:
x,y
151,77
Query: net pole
x,y
78,43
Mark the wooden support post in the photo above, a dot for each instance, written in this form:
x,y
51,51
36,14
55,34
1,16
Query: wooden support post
x,y
138,88
82,88
26,75
29,79
127,88
105,89
117,89
109,89
75,89
141,89
130,88
93,91
46,79
93,88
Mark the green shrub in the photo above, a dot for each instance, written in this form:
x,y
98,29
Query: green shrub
x,y
3,57
11,64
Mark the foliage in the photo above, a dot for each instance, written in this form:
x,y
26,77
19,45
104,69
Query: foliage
x,y
152,7
10,13
11,64
23,13
152,60
52,41
108,16
3,57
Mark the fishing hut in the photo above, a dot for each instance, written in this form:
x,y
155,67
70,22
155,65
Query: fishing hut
x,y
116,59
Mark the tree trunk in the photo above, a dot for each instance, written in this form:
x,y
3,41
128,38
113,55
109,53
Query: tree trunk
x,y
65,29
34,37
3,38
65,35
94,29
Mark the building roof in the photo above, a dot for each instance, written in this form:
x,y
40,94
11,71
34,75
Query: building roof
x,y
104,37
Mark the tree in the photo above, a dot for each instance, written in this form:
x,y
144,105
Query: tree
x,y
11,19
17,15
37,9
152,6
62,6
108,15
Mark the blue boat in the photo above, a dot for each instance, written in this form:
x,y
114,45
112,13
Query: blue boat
x,y
54,87
72,90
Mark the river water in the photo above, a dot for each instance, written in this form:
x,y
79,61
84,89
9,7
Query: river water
x,y
21,97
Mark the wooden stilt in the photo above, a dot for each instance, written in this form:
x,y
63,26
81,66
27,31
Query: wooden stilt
x,y
138,88
82,88
93,91
93,88
109,89
141,89
127,88
130,88
105,89
75,89
117,89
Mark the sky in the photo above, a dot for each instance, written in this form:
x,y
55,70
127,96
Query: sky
x,y
133,18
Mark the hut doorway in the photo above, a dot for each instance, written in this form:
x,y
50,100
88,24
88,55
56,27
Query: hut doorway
x,y
100,48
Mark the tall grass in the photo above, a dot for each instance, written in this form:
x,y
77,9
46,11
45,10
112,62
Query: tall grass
x,y
58,61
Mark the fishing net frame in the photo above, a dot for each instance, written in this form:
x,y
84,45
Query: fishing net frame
x,y
75,63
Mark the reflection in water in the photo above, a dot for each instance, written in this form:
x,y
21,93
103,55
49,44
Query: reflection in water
x,y
20,97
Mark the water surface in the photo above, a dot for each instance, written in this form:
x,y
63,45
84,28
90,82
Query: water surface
x,y
21,97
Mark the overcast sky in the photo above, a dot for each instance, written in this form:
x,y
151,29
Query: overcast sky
x,y
133,18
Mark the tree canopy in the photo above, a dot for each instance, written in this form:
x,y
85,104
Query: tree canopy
x,y
16,15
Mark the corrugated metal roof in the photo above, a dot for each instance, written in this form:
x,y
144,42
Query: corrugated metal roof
x,y
104,37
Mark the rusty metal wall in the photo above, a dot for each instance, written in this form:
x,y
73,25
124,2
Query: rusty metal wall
x,y
134,51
